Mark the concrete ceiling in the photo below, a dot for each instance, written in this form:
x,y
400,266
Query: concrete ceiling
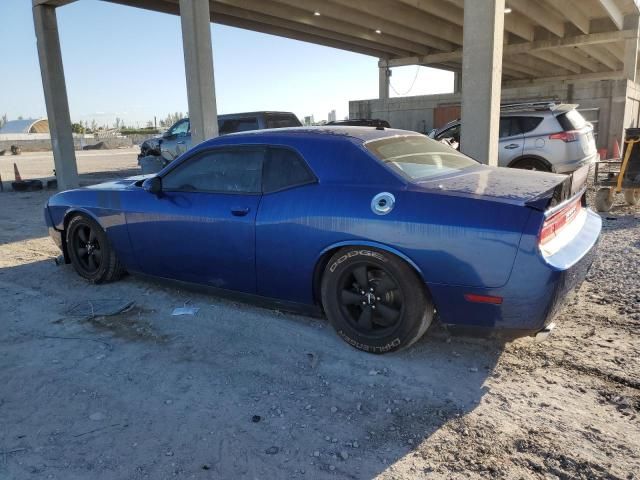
x,y
543,38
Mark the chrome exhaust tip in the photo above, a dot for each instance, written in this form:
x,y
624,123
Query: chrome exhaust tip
x,y
544,333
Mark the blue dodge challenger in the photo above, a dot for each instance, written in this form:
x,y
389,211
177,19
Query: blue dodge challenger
x,y
379,228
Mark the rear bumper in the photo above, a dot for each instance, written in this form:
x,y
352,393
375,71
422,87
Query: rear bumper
x,y
573,165
537,289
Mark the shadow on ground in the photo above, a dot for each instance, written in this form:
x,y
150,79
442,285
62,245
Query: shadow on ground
x,y
233,392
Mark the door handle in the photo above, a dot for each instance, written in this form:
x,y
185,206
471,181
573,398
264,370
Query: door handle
x,y
511,146
239,211
181,142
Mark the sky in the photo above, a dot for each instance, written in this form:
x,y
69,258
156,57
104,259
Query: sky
x,y
128,63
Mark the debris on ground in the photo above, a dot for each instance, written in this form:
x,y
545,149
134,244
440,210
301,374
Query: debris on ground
x,y
103,307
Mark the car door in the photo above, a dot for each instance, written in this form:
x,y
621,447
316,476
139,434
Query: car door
x,y
511,141
177,140
201,226
282,239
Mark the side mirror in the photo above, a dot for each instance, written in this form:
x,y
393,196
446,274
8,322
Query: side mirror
x,y
153,185
167,134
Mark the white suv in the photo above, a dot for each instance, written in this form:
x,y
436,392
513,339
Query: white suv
x,y
547,137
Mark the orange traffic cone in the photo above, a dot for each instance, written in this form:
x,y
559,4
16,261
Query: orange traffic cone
x,y
616,149
16,173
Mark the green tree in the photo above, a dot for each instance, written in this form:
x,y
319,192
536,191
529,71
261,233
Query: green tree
x,y
77,128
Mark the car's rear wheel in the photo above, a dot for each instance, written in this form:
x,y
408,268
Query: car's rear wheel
x,y
532,164
90,252
632,197
374,300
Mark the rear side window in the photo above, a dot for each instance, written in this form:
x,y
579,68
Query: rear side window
x,y
528,124
417,156
275,120
233,125
572,120
509,126
284,168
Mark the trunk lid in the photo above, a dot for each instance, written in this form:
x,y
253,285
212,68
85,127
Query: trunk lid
x,y
539,190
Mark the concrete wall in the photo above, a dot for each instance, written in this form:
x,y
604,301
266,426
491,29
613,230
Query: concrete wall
x,y
618,102
39,144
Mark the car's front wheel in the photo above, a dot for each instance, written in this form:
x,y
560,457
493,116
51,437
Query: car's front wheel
x,y
374,300
90,251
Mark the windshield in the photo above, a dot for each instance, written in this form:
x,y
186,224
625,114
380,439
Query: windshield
x,y
417,156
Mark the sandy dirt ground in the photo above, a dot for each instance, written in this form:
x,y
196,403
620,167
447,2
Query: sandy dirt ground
x,y
238,391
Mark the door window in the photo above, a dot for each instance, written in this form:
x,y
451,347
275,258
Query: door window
x,y
227,171
285,168
180,129
452,132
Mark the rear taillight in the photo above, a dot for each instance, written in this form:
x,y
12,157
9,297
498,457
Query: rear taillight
x,y
556,222
570,136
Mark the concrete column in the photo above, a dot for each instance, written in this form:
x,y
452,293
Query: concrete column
x,y
481,77
631,48
55,96
383,82
457,82
198,66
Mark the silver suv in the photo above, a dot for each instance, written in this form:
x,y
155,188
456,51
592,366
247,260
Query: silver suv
x,y
537,136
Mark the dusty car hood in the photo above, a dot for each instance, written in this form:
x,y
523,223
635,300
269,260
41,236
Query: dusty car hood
x,y
511,185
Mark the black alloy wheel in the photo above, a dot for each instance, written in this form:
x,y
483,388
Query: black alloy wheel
x,y
371,300
375,300
90,251
87,249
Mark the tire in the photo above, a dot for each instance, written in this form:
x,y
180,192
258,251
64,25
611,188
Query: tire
x,y
90,251
532,164
604,201
374,300
632,197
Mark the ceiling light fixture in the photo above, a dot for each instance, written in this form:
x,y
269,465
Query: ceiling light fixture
x,y
317,14
507,10
378,31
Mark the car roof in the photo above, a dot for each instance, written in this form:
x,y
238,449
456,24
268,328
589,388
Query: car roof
x,y
525,109
329,132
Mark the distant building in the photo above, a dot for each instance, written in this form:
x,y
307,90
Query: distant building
x,y
332,116
308,121
30,125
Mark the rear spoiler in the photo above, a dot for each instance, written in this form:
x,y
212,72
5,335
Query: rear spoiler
x,y
572,186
